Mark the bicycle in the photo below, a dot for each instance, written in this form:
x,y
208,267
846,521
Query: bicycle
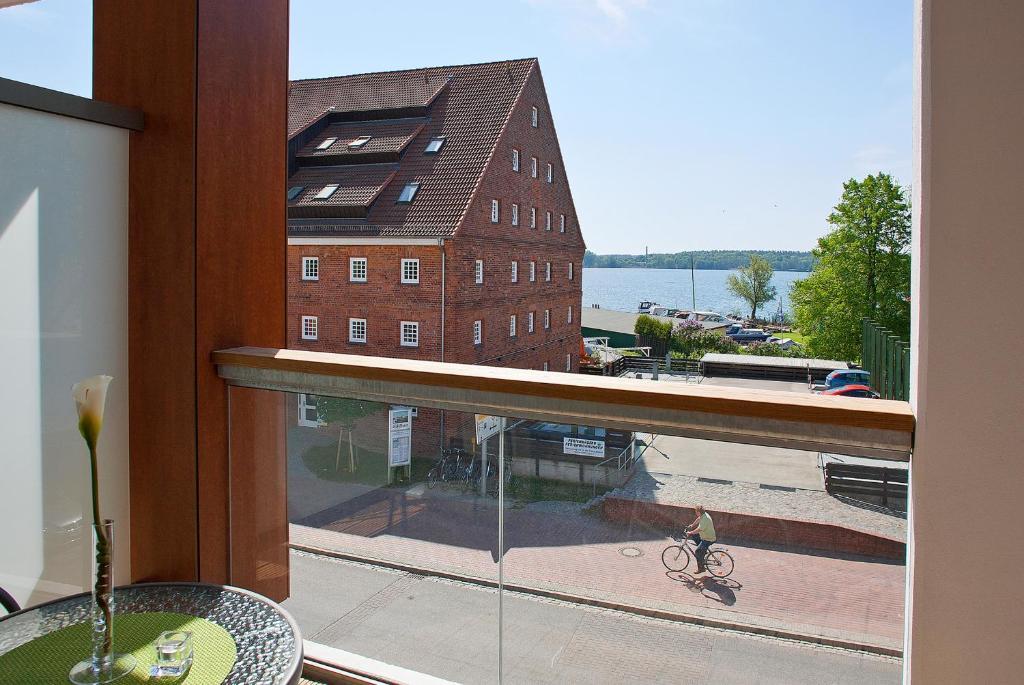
x,y
446,469
718,562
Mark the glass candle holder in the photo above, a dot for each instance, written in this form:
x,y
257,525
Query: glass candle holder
x,y
173,654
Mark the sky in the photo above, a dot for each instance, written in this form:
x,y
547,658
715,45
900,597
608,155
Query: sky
x,y
684,124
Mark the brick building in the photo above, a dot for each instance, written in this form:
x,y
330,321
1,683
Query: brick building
x,y
430,217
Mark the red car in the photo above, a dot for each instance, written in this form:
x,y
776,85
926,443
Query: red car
x,y
853,391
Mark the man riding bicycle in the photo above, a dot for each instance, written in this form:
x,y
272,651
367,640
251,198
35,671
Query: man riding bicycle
x,y
702,532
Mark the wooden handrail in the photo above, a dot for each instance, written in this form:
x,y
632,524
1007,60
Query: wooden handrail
x,y
870,427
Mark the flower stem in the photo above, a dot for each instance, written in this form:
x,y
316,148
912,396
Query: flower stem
x,y
104,578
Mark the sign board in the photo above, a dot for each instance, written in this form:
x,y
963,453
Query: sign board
x,y
399,436
486,426
583,447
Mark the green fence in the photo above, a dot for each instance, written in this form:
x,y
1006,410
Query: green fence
x,y
888,359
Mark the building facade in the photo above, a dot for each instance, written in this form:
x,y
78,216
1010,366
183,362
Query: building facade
x,y
430,217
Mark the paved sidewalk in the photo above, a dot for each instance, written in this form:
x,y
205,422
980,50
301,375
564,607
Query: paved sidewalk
x,y
450,630
556,547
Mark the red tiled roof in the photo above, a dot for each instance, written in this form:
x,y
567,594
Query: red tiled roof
x,y
385,136
358,187
470,113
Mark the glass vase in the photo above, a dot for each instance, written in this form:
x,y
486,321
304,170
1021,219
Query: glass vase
x,y
103,665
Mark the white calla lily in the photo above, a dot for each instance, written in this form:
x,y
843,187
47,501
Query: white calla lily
x,y
90,400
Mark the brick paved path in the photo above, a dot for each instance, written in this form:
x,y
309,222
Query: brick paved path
x,y
554,546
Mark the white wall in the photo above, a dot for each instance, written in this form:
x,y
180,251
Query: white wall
x,y
63,317
966,553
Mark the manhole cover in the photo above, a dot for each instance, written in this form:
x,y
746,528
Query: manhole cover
x,y
630,552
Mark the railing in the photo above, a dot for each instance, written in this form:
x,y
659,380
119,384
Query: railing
x,y
888,359
851,426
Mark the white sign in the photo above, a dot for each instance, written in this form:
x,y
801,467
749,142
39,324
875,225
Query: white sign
x,y
583,447
399,436
486,426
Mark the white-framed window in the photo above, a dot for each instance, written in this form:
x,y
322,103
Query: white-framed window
x,y
515,214
515,272
515,159
409,332
551,173
533,217
533,167
309,328
357,269
478,271
529,322
327,143
568,361
570,270
547,271
410,271
359,142
311,268
569,318
408,193
495,211
545,366
434,146
512,326
326,191
357,330
309,417
561,223
533,271
547,318
478,332
547,221
534,115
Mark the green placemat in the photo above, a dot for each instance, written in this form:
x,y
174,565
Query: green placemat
x,y
48,659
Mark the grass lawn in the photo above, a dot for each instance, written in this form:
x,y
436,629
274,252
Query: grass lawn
x,y
796,336
371,469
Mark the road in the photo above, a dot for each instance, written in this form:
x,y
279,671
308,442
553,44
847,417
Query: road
x,y
449,629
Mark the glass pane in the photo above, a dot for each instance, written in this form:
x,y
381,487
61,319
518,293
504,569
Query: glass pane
x,y
394,563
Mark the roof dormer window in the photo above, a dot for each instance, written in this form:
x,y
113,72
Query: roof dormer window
x,y
408,192
358,142
434,146
327,143
294,192
326,191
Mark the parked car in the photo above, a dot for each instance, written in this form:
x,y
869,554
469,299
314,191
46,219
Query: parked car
x,y
843,377
853,391
746,335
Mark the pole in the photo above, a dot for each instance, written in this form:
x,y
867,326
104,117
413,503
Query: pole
x,y
501,534
693,285
483,468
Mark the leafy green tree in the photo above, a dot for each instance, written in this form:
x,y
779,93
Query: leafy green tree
x,y
862,269
343,413
753,283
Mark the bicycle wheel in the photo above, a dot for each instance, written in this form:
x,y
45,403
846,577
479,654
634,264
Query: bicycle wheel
x,y
433,476
675,557
719,563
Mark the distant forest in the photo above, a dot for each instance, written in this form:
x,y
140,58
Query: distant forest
x,y
703,259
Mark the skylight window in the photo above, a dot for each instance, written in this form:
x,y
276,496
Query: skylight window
x,y
294,192
358,142
326,191
327,143
434,146
408,192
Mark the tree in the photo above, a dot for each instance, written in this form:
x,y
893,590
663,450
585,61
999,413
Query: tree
x,y
343,413
862,269
753,283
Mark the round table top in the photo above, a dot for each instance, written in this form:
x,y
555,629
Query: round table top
x,y
267,639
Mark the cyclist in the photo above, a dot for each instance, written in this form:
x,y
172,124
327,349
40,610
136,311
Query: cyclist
x,y
702,532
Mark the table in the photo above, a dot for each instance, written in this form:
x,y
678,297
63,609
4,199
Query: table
x,y
268,642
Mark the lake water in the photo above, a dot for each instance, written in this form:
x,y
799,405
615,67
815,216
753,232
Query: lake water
x,y
623,289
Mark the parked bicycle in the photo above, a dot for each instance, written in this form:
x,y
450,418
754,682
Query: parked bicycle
x,y
448,469
718,562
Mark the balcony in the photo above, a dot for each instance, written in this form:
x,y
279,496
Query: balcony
x,y
544,569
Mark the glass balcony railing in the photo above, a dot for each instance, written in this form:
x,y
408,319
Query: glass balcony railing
x,y
492,525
